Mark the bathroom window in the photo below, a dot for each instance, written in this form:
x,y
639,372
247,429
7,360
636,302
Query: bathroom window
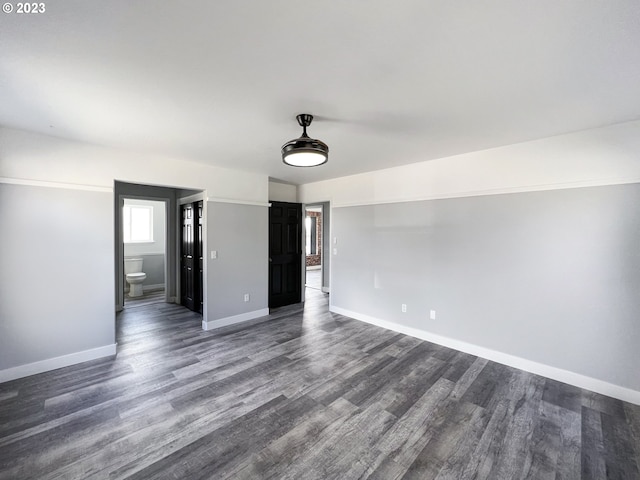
x,y
137,224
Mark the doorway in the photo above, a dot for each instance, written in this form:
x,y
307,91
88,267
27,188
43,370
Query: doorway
x,y
145,243
172,197
313,246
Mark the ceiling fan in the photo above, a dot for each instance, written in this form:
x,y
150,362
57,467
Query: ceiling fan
x,y
305,151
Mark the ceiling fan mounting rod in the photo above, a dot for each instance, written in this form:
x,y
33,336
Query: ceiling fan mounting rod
x,y
304,120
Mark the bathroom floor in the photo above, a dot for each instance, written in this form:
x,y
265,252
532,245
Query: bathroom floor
x,y
148,298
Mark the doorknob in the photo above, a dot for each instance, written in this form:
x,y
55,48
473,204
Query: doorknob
x,y
270,259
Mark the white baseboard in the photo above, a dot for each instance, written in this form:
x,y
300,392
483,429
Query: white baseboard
x,y
554,373
150,288
57,362
226,321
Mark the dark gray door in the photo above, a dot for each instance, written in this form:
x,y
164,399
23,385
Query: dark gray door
x,y
191,257
285,253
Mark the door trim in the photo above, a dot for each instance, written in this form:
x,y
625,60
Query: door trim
x,y
283,298
196,197
120,246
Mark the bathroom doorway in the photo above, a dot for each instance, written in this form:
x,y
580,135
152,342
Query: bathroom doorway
x,y
144,225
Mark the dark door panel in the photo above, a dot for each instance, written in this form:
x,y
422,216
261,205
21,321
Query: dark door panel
x,y
199,255
187,287
191,257
285,253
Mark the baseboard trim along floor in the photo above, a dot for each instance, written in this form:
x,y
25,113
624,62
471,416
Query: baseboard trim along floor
x,y
42,366
226,321
554,373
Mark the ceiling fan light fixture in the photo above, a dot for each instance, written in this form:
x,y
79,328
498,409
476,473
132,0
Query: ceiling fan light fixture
x,y
305,151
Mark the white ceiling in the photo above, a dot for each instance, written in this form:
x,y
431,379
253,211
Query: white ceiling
x,y
390,83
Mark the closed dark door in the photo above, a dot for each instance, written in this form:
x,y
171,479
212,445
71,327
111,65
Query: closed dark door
x,y
199,256
188,287
285,253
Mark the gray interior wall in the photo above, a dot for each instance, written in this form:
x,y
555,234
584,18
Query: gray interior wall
x,y
56,273
239,234
153,266
552,277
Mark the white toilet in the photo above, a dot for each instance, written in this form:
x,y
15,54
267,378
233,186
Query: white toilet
x,y
134,275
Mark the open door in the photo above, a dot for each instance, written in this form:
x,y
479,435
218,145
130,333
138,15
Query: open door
x,y
285,254
191,257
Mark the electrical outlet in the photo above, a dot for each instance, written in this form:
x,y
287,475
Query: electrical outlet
x,y
214,254
432,314
404,308
246,297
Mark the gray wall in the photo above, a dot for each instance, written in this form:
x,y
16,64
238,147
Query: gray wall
x,y
56,267
239,233
552,277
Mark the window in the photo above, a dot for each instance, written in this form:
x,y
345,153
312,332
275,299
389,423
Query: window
x,y
137,223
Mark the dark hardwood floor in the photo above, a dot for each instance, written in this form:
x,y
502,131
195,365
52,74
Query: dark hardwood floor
x,y
303,395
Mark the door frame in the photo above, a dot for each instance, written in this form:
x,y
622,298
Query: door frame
x,y
120,246
301,259
196,197
171,195
325,265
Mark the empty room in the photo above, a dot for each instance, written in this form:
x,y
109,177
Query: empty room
x,y
339,240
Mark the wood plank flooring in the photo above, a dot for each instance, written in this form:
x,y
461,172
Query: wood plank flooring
x,y
303,394
147,298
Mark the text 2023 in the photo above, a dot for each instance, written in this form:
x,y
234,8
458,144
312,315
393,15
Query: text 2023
x,y
30,7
